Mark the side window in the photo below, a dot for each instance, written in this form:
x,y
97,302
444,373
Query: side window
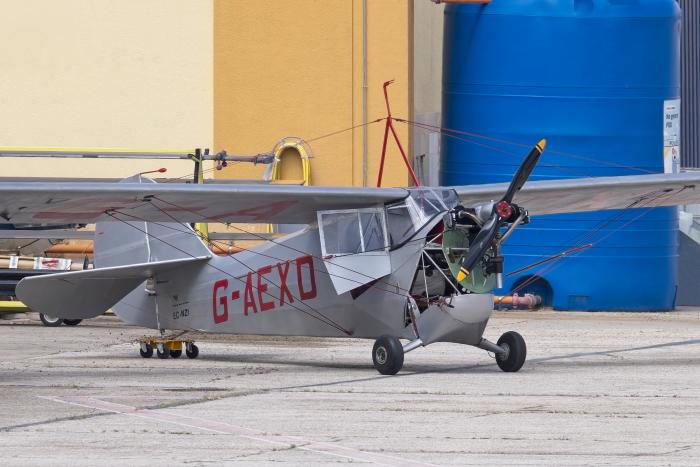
x,y
372,225
351,232
340,233
400,223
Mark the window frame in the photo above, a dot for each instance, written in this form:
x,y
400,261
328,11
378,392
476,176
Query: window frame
x,y
358,212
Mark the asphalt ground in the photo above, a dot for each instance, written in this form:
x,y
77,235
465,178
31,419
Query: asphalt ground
x,y
597,389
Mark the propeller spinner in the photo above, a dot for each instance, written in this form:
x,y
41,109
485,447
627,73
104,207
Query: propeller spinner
x,y
502,213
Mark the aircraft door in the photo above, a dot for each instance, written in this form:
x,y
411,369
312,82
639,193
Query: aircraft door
x,y
354,246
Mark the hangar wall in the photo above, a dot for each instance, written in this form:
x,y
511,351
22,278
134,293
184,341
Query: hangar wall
x,y
105,73
227,74
295,68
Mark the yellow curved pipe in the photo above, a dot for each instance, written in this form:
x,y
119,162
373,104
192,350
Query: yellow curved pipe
x,y
304,151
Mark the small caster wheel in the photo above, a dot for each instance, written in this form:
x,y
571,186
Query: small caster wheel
x,y
50,321
387,355
146,350
176,353
191,351
516,351
72,322
162,351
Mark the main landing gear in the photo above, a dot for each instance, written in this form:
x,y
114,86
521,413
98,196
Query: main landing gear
x,y
167,348
510,352
387,355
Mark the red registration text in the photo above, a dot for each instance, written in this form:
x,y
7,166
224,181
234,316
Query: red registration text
x,y
270,287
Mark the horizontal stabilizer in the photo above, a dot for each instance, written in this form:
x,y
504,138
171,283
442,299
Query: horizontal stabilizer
x,y
86,294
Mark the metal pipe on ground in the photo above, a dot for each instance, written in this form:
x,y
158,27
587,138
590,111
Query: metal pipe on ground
x,y
527,300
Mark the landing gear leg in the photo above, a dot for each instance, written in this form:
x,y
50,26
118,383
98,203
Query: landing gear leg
x,y
387,355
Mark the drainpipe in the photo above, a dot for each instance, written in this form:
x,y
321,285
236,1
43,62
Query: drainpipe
x,y
364,93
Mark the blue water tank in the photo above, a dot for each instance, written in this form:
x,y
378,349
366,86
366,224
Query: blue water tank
x,y
593,77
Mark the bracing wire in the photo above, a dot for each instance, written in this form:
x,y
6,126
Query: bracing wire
x,y
253,251
553,262
549,263
319,316
447,131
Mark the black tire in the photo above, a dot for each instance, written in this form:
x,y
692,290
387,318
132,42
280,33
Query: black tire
x,y
176,353
192,351
72,322
517,351
50,321
148,353
387,355
164,354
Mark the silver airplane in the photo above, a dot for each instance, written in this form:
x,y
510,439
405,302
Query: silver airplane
x,y
388,264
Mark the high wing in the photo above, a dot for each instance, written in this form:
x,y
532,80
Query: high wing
x,y
593,194
80,202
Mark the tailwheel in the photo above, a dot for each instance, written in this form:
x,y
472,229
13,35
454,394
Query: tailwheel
x,y
515,352
387,355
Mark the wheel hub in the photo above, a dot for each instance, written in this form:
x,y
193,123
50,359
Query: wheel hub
x,y
506,352
381,355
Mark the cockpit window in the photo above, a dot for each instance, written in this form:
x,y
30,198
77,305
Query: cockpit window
x,y
410,215
401,222
372,228
351,232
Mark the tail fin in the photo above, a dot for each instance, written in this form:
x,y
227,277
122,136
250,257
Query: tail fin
x,y
127,252
119,243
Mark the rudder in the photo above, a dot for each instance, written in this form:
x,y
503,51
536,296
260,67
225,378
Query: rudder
x,y
126,241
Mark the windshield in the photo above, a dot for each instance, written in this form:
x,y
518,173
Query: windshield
x,y
408,216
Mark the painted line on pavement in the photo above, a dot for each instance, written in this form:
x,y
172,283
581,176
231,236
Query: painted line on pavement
x,y
297,442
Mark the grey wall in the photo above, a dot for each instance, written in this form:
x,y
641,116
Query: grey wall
x,y
427,87
690,84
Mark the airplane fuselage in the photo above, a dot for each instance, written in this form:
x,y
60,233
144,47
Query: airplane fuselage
x,y
285,288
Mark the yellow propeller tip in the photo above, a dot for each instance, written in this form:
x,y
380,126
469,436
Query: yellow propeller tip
x,y
542,144
461,276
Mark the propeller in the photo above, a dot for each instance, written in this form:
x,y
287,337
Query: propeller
x,y
502,212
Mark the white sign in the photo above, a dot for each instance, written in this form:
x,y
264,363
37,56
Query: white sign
x,y
672,135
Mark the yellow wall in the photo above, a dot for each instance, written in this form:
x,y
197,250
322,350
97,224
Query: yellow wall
x,y
233,74
131,73
294,68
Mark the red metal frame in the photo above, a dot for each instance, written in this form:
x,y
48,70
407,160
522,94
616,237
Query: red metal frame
x,y
390,126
